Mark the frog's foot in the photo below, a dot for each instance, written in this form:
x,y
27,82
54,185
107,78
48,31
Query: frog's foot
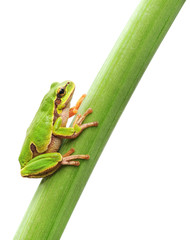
x,y
74,110
79,120
68,160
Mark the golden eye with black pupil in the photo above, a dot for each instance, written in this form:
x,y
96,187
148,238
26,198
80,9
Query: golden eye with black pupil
x,y
60,92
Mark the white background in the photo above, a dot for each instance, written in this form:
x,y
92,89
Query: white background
x,y
140,188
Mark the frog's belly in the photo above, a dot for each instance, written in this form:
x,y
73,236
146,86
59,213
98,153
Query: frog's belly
x,y
54,144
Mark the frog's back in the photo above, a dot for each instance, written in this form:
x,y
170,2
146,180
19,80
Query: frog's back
x,y
40,130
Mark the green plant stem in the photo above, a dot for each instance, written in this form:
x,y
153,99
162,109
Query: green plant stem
x,y
56,196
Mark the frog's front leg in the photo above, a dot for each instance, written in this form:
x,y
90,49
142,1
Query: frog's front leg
x,y
80,119
45,164
78,127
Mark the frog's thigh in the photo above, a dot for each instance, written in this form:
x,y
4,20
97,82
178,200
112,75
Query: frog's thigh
x,y
42,165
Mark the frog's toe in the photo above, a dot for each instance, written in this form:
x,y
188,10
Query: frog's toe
x,y
69,160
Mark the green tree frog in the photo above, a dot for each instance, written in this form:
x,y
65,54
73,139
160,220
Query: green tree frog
x,y
39,156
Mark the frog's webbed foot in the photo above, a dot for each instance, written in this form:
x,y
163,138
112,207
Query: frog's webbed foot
x,y
67,159
80,119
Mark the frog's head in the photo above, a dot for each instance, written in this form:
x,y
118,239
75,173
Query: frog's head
x,y
64,92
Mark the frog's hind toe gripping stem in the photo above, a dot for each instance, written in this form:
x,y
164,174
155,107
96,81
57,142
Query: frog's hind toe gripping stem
x,y
67,159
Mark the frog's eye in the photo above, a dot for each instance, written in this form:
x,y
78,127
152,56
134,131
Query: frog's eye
x,y
60,92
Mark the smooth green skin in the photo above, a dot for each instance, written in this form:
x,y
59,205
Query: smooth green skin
x,y
40,131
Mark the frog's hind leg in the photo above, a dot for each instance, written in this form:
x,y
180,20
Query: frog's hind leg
x,y
67,159
46,164
42,165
